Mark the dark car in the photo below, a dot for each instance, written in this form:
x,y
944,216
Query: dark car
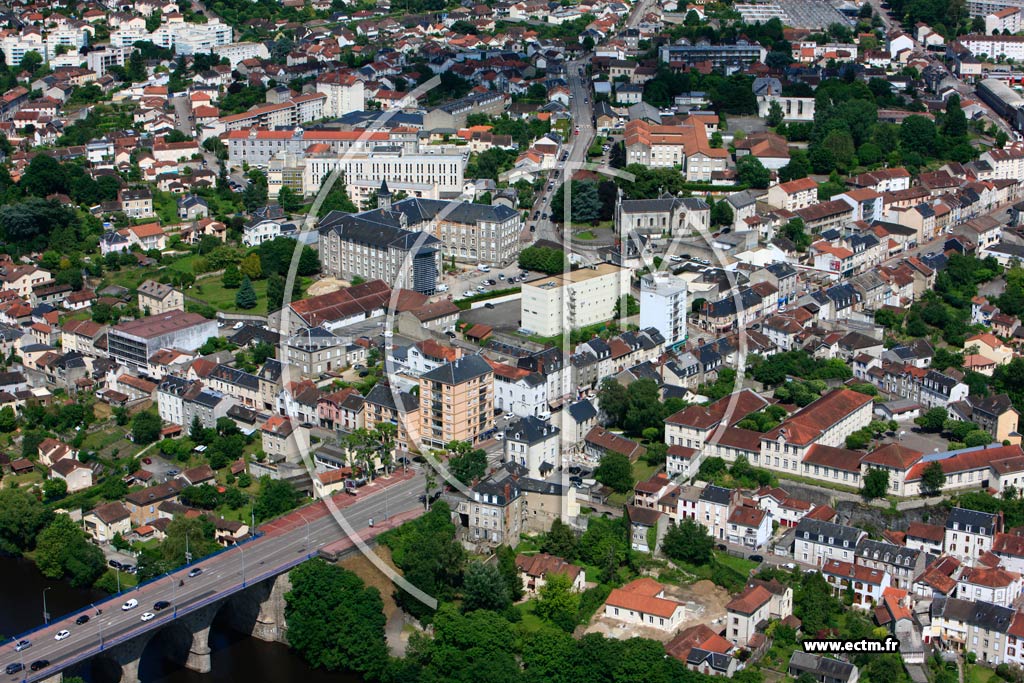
x,y
196,571
756,558
576,480
536,215
364,373
160,604
39,664
115,564
575,469
14,668
721,546
488,305
533,228
544,216
451,334
82,619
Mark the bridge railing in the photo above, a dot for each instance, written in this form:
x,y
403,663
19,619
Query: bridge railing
x,y
113,598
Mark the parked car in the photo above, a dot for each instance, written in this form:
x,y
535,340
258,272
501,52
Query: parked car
x,y
756,558
114,564
488,305
148,461
130,604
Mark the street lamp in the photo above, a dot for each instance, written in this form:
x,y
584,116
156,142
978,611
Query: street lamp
x,y
307,529
46,615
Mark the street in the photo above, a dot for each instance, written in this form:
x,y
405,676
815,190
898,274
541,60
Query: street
x,y
286,542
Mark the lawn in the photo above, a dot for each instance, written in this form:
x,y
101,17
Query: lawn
x,y
104,438
642,470
585,235
531,623
213,292
974,673
740,564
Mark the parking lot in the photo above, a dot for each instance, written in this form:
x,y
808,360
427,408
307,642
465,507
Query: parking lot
x,y
504,317
473,280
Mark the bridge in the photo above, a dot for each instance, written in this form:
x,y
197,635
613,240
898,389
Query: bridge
x,y
244,585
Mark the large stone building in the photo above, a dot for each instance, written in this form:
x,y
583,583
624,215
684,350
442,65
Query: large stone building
x,y
666,216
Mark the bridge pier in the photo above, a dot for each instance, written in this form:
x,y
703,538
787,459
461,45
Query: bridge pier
x,y
130,670
199,659
270,623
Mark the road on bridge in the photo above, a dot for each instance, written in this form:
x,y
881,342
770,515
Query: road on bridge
x,y
284,543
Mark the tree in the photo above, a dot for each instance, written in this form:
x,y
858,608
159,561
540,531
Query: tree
x,y
688,542
917,134
64,551
933,478
559,603
245,298
54,489
775,113
615,471
8,420
876,484
146,428
335,621
721,213
934,420
275,292
544,259
289,200
275,498
484,587
751,172
560,541
231,279
251,267
22,516
31,61
136,69
799,166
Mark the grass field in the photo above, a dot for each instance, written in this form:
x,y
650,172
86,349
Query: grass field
x,y
740,564
585,235
213,292
973,673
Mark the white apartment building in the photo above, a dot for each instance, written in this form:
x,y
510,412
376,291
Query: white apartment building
x,y
259,146
15,47
572,300
994,47
427,176
663,306
345,93
109,55
533,444
816,542
237,52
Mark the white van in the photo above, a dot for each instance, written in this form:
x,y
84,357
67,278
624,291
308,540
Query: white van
x,y
483,268
442,288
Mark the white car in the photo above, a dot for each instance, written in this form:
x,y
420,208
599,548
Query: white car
x,y
146,616
676,259
130,604
239,325
61,635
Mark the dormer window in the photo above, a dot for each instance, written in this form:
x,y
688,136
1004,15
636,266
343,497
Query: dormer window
x,y
981,531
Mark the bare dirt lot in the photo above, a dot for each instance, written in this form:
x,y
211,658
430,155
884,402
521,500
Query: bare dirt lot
x,y
372,576
326,286
705,604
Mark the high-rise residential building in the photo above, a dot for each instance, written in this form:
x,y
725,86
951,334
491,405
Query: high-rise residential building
x,y
457,401
578,298
663,306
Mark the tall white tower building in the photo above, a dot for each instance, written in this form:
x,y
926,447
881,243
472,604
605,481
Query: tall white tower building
x,y
663,306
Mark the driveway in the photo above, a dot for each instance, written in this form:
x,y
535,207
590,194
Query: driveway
x,y
504,316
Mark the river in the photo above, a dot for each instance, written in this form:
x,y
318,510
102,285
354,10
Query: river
x,y
235,657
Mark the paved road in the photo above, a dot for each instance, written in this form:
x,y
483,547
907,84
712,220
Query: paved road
x,y
286,542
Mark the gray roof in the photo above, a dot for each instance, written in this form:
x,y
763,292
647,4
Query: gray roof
x,y
530,430
972,521
377,228
880,551
984,615
827,533
232,375
582,411
458,371
382,395
716,494
425,210
822,666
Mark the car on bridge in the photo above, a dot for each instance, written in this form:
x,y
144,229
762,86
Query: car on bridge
x,y
130,604
160,604
196,571
22,645
14,668
39,664
82,619
146,616
62,634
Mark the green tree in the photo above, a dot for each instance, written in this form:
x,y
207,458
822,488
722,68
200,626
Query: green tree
x,y
688,542
933,478
721,213
465,462
917,134
251,267
799,166
560,541
231,279
289,200
245,298
31,61
8,420
876,484
752,172
934,420
484,587
194,535
146,427
136,69
275,498
64,551
615,472
775,113
275,292
54,489
335,621
22,517
558,602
